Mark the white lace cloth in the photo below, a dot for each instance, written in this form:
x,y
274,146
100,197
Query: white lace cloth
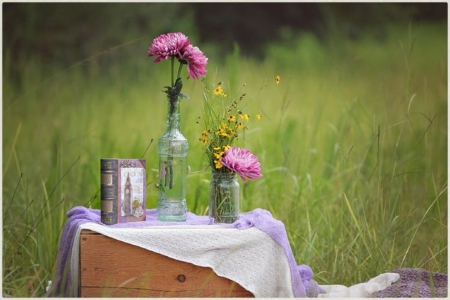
x,y
249,257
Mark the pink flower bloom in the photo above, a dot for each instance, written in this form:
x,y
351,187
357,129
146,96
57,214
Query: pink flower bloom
x,y
196,61
242,162
166,45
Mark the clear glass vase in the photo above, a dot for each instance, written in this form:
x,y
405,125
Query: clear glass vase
x,y
172,151
224,197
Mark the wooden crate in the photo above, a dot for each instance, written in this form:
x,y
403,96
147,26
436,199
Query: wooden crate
x,y
110,268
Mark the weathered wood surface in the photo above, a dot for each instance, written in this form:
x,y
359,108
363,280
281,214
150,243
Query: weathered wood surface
x,y
110,268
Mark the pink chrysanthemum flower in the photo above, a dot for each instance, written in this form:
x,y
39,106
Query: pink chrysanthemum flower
x,y
242,162
196,61
166,45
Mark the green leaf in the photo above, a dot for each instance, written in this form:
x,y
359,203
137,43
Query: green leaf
x,y
183,96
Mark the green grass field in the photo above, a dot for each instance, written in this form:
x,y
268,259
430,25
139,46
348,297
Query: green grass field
x,y
353,147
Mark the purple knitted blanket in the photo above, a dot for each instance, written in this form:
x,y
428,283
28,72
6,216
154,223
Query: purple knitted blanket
x,y
302,282
416,283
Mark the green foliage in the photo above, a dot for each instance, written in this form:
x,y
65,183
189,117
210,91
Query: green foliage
x,y
76,30
353,148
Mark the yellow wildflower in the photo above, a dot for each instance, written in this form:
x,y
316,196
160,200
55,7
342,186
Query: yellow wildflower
x,y
244,116
231,119
219,131
218,164
204,140
277,79
218,90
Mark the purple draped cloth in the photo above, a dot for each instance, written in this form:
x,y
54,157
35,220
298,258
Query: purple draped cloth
x,y
302,282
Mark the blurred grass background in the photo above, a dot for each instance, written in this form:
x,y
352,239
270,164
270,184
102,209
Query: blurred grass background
x,y
353,141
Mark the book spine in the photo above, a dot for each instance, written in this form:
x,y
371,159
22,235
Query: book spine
x,y
108,190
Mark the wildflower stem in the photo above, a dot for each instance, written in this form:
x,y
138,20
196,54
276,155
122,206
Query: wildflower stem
x,y
179,70
172,62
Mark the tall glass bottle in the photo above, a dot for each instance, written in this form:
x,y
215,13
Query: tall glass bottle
x,y
172,151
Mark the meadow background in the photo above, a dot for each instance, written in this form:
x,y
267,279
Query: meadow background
x,y
353,140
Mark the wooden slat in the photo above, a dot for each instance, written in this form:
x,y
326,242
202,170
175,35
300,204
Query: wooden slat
x,y
110,268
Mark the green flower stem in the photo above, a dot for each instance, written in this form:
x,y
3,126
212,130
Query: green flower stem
x,y
173,93
224,197
174,108
172,62
179,70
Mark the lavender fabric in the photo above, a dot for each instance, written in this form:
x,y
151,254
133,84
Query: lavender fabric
x,y
416,283
263,220
302,282
77,216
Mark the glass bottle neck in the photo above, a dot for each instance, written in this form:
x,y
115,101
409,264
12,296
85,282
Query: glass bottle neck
x,y
173,117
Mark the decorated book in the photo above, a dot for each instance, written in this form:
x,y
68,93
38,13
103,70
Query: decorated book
x,y
122,189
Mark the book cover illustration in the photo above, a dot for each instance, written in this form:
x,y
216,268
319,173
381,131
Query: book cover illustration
x,y
123,190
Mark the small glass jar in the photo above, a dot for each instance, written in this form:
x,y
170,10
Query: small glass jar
x,y
224,197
